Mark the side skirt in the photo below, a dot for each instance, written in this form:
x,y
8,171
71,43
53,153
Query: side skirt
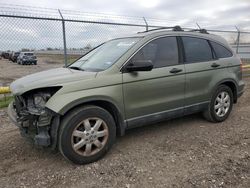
x,y
166,115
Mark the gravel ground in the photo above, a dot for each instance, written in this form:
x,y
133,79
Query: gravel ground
x,y
10,71
185,152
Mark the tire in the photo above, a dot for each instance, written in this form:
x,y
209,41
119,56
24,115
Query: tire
x,y
77,122
219,111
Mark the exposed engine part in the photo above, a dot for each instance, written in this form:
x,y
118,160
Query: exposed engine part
x,y
33,117
43,137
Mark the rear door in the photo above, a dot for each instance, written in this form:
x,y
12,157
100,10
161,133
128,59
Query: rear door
x,y
202,66
155,94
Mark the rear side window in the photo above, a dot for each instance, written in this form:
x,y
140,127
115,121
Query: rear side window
x,y
196,50
221,51
162,52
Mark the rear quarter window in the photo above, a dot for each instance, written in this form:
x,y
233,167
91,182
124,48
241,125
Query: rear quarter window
x,y
221,51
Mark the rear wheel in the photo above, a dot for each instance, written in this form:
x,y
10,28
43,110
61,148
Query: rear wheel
x,y
86,134
220,105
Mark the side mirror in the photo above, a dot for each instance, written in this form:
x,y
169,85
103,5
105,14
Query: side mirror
x,y
140,65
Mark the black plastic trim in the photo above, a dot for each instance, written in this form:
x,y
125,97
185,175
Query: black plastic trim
x,y
154,118
180,50
166,115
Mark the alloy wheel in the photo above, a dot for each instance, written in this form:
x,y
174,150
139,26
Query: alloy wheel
x,y
222,104
89,136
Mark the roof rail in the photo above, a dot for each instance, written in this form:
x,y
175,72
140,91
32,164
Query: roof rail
x,y
175,28
200,30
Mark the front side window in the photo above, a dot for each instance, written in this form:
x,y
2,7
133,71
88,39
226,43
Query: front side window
x,y
221,51
162,52
196,50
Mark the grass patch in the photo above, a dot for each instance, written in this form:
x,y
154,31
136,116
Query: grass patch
x,y
245,61
246,73
246,70
5,101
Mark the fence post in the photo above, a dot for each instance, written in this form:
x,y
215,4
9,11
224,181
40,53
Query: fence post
x,y
64,39
198,25
238,40
145,23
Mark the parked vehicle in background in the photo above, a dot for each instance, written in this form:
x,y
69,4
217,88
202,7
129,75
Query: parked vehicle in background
x,y
14,56
10,55
126,83
5,55
27,58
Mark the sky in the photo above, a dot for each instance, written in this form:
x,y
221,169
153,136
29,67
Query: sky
x,y
211,14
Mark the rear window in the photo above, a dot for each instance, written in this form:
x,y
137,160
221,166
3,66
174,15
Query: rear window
x,y
221,51
196,50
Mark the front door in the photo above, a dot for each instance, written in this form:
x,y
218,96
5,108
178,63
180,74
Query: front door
x,y
154,95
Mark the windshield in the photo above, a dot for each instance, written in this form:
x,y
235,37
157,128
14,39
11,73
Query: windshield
x,y
105,55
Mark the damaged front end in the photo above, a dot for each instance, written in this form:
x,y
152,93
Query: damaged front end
x,y
35,121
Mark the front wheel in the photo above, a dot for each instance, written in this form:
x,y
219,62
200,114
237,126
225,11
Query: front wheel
x,y
86,134
220,105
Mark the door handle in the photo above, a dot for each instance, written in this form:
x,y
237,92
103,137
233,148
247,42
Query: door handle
x,y
175,70
214,65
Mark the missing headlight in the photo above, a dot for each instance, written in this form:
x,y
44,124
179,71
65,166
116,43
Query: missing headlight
x,y
36,99
40,99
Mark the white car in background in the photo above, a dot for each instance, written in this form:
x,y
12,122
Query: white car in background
x,y
27,58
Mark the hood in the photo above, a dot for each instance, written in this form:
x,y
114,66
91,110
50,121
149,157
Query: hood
x,y
52,77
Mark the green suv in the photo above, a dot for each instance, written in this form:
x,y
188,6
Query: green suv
x,y
126,83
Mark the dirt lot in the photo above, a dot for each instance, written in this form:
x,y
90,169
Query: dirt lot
x,y
186,152
10,71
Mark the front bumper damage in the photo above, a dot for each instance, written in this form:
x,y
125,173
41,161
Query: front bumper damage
x,y
40,126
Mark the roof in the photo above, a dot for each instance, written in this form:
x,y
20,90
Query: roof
x,y
201,33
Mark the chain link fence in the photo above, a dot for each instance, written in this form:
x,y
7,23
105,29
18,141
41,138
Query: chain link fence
x,y
63,35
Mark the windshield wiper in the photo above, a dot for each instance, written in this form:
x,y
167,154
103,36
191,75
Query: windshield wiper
x,y
76,68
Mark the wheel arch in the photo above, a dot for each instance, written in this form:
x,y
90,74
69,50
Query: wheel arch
x,y
231,84
105,104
